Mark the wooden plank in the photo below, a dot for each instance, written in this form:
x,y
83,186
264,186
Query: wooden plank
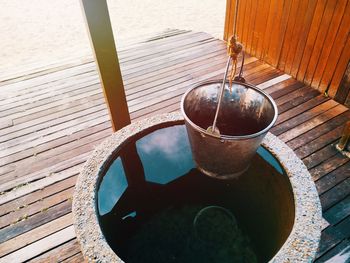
x,y
337,176
35,221
347,101
22,98
344,226
338,212
312,36
299,109
319,42
37,207
343,91
330,238
263,22
77,155
36,234
260,26
310,124
319,142
339,253
158,108
27,71
274,81
77,110
318,25
40,246
228,19
146,64
326,52
288,38
240,19
336,194
326,167
77,258
246,23
305,94
268,30
279,28
251,26
320,156
315,145
37,195
26,189
93,109
62,144
302,29
319,130
307,115
279,88
54,110
63,252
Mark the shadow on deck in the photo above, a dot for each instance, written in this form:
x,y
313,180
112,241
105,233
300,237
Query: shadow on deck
x,y
51,119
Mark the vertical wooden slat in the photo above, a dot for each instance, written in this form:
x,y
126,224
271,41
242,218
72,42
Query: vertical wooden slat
x,y
343,93
228,18
336,50
279,29
301,30
340,69
261,26
101,38
288,34
253,12
347,101
287,41
246,24
254,33
240,19
315,26
329,40
320,40
268,31
304,38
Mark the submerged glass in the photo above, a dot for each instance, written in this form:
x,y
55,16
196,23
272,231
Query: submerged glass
x,y
151,194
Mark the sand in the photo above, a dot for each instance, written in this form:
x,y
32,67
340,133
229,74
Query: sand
x,y
45,31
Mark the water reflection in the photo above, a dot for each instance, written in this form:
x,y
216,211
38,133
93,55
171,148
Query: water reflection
x,y
165,154
112,186
159,157
152,184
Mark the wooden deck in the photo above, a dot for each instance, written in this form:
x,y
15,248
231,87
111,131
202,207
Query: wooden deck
x,y
52,118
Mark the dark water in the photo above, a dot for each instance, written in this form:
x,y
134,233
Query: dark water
x,y
151,194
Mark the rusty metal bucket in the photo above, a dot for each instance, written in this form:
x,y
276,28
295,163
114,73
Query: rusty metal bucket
x,y
246,115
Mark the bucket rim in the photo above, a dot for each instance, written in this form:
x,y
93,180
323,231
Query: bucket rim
x,y
230,137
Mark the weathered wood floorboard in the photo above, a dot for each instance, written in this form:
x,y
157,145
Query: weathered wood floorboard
x,y
52,119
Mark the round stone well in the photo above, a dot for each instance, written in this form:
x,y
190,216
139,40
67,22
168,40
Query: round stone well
x,y
139,195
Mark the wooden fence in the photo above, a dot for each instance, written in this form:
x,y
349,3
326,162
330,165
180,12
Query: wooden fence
x,y
308,39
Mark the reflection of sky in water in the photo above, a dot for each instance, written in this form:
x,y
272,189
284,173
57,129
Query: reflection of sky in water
x,y
268,157
165,154
112,187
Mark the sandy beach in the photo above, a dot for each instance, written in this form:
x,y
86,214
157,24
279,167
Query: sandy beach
x,y
46,31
